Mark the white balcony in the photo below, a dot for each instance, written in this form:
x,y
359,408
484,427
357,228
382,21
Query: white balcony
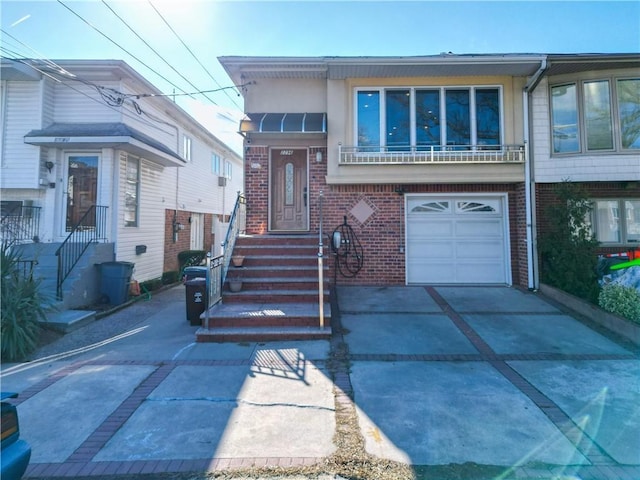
x,y
437,154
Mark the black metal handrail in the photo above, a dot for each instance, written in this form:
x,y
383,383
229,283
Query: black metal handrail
x,y
91,228
21,224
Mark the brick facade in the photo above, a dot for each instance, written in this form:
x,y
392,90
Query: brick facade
x,y
382,234
183,241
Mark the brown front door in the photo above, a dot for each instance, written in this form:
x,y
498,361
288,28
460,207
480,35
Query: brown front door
x,y
289,195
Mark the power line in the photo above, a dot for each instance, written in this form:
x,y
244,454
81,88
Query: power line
x,y
191,52
119,46
160,56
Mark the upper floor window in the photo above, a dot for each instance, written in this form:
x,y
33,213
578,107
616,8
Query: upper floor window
x,y
228,169
132,192
582,116
186,148
215,164
397,118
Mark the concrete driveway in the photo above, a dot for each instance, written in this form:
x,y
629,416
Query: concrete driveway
x,y
438,378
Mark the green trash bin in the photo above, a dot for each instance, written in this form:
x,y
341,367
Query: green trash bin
x,y
114,281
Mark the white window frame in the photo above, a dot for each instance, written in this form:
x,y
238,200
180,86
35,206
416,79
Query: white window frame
x,y
228,169
127,181
215,163
187,146
622,220
412,112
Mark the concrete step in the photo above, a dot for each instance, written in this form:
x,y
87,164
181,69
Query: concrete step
x,y
225,315
271,334
69,320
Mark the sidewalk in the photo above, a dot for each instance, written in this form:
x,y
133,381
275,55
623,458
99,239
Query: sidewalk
x,y
437,382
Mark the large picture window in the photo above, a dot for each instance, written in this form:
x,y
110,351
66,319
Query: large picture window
x,y
616,221
582,116
400,118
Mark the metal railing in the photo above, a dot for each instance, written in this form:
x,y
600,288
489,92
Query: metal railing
x,y
218,266
91,228
320,262
434,154
20,225
237,226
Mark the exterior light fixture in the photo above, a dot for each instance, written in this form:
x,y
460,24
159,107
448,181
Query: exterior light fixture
x,y
318,156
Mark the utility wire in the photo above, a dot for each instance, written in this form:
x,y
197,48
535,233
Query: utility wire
x,y
119,46
192,54
203,92
41,57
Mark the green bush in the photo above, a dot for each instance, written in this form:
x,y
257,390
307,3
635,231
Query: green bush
x,y
188,258
567,248
22,307
621,300
151,285
170,277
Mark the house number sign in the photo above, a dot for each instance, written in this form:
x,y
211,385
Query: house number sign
x,y
286,152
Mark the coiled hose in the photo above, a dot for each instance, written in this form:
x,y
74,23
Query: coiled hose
x,y
347,250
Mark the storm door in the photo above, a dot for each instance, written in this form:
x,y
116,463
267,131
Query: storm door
x,y
289,190
82,190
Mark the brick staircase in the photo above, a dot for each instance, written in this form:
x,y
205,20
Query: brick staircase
x,y
279,297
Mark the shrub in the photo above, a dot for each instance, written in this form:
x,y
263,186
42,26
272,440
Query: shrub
x,y
567,247
621,300
188,258
151,285
22,307
170,277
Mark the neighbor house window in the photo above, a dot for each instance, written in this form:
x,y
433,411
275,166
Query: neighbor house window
x,y
629,113
228,169
582,116
132,192
186,148
616,221
564,114
399,118
215,164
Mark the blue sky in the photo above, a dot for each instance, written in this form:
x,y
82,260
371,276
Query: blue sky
x,y
46,29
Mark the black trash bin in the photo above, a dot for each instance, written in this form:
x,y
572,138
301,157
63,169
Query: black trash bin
x,y
196,299
114,281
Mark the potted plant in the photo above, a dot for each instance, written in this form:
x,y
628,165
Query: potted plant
x,y
237,260
235,284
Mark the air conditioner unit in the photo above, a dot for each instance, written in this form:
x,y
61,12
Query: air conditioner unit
x,y
222,181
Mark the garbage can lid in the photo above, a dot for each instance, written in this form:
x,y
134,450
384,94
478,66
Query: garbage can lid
x,y
194,269
196,281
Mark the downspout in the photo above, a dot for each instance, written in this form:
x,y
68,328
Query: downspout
x,y
532,270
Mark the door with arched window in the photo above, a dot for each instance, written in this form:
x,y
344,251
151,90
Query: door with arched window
x,y
289,194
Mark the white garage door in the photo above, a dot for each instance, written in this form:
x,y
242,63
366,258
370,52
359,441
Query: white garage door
x,y
456,240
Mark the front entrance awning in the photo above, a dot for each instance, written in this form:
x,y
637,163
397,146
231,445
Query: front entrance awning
x,y
288,123
104,135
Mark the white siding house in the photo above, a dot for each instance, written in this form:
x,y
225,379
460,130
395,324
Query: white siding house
x,y
90,138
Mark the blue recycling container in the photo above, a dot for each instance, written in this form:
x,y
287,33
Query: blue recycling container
x,y
114,281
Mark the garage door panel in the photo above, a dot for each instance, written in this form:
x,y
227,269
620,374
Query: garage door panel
x,y
432,272
429,229
465,244
476,228
488,249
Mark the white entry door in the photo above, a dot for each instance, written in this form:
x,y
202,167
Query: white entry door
x,y
457,239
197,231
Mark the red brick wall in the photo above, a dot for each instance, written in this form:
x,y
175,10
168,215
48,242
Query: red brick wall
x,y
171,248
545,197
381,236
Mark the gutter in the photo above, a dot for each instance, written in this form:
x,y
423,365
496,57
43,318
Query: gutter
x,y
533,280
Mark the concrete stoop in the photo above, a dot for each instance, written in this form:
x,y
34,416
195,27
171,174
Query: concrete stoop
x,y
279,297
69,320
264,322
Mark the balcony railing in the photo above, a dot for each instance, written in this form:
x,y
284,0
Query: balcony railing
x,y
436,154
20,224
